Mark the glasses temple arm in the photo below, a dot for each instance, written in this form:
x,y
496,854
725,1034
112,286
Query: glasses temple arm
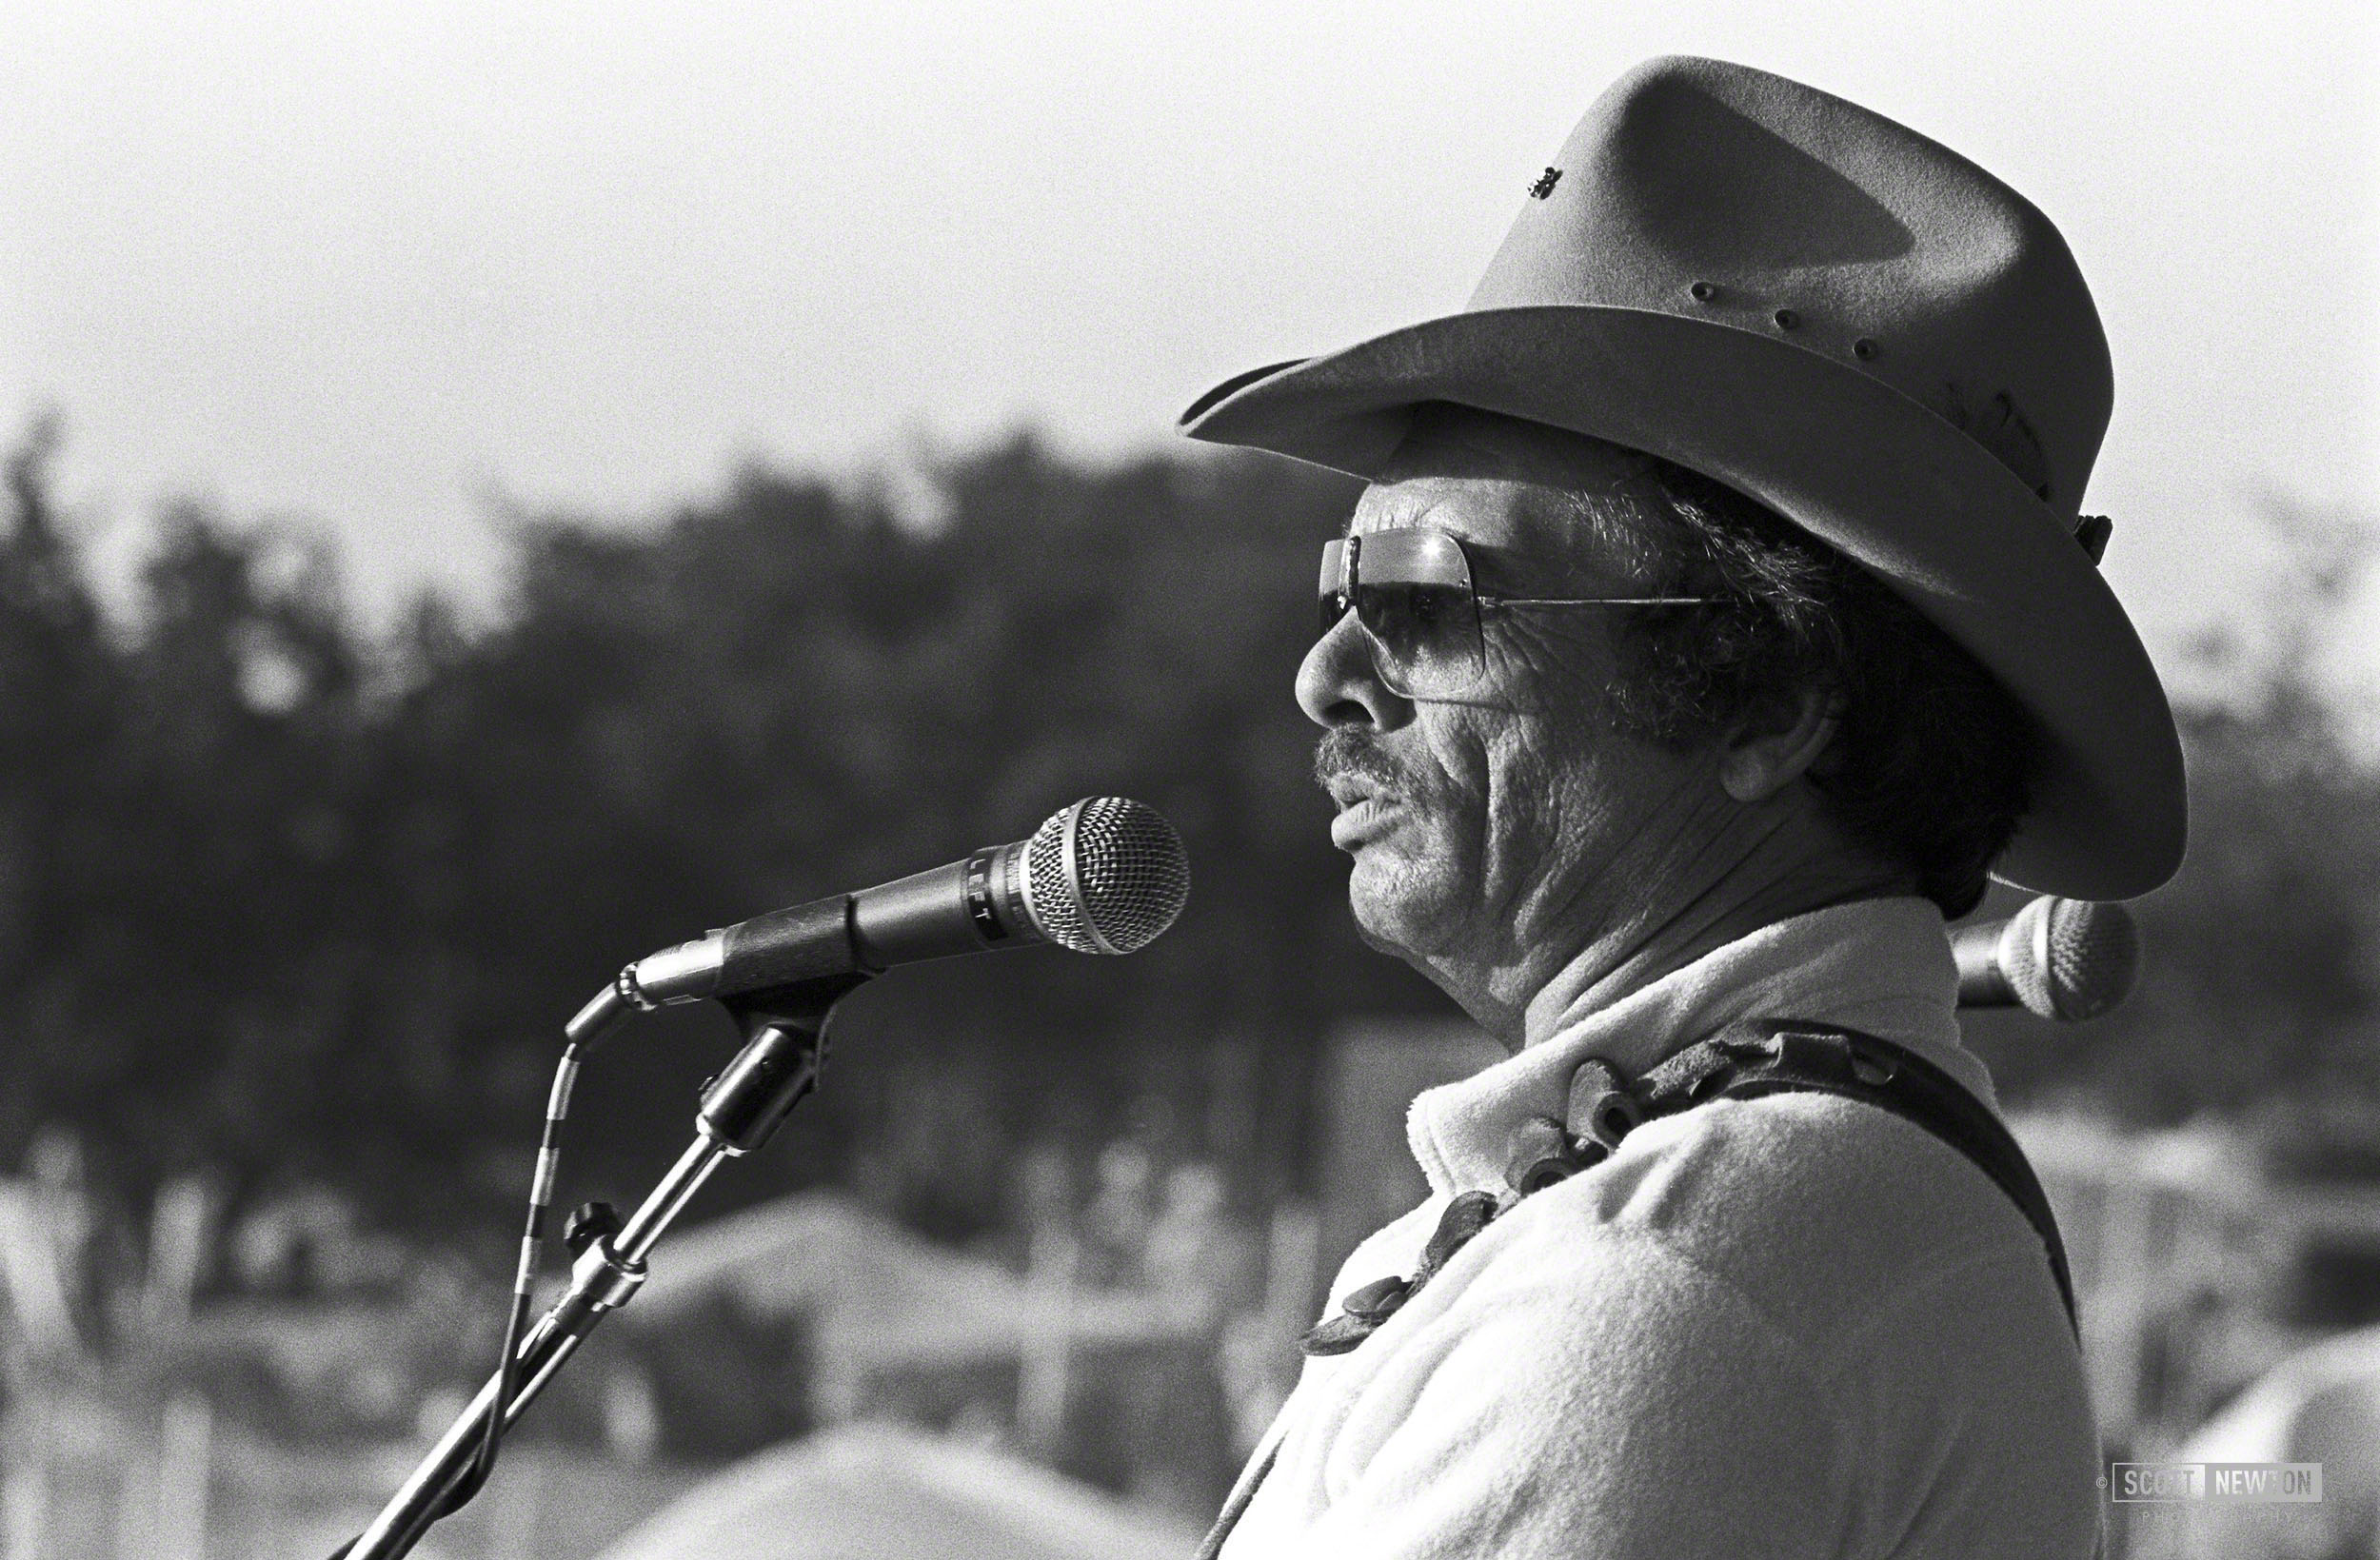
x,y
1598,600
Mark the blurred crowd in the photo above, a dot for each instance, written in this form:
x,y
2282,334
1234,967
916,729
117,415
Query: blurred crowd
x,y
1130,1332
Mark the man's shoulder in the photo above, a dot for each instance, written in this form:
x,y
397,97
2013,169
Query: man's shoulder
x,y
1823,1213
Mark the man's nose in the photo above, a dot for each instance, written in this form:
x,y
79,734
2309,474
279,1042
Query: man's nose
x,y
1338,683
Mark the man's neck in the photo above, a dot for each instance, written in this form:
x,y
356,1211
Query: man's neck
x,y
1762,866
1731,909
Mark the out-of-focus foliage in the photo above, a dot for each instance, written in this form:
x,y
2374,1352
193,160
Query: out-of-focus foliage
x,y
281,901
287,902
2261,990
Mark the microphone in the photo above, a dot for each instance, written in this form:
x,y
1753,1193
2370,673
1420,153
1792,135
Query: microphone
x,y
1106,876
2060,958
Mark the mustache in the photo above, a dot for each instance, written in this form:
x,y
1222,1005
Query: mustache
x,y
1346,752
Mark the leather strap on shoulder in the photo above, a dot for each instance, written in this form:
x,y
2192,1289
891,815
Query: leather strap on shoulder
x,y
1765,1057
1745,1060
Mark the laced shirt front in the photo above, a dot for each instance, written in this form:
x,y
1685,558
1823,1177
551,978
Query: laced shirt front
x,y
1791,1325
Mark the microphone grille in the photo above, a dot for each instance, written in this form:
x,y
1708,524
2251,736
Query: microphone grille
x,y
1106,876
2071,958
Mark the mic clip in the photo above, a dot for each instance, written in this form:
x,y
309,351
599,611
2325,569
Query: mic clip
x,y
785,1029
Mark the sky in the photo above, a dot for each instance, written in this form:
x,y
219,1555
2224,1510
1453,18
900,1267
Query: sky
x,y
397,272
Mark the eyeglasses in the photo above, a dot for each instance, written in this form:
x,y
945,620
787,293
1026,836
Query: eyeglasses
x,y
1412,594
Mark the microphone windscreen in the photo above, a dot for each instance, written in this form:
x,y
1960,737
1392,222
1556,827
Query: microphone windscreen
x,y
2071,958
1106,876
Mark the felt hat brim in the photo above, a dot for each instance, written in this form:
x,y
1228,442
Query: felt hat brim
x,y
1882,479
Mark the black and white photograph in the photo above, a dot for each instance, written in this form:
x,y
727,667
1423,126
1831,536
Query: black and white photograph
x,y
877,781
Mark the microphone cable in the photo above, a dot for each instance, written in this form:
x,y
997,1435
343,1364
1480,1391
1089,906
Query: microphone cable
x,y
524,1273
590,1027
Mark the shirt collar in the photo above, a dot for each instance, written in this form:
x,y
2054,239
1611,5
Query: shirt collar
x,y
1880,966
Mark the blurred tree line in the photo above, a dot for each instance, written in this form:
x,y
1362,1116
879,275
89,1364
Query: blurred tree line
x,y
282,900
2260,999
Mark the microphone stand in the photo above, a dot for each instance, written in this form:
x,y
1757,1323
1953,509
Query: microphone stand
x,y
784,1044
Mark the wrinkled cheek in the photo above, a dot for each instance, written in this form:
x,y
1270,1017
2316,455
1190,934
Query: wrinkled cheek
x,y
1520,814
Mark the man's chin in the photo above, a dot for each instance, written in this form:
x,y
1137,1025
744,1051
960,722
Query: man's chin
x,y
1390,915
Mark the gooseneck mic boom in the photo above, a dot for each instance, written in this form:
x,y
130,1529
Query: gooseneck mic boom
x,y
2060,958
1106,876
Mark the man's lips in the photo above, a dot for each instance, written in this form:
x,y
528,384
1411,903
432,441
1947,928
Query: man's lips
x,y
1347,790
1361,781
1361,815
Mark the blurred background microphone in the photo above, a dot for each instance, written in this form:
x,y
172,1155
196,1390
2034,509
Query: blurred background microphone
x,y
2060,958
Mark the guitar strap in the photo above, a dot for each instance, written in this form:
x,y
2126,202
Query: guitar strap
x,y
1743,1062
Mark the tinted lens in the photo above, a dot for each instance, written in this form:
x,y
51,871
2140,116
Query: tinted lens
x,y
1412,597
1334,598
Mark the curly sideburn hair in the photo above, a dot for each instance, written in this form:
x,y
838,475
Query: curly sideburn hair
x,y
1932,761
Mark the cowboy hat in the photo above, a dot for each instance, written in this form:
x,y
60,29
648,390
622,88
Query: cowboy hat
x,y
1851,324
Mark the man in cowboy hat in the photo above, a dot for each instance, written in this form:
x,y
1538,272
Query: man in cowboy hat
x,y
1720,611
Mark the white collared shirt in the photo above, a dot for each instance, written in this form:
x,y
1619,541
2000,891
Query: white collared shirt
x,y
1794,1325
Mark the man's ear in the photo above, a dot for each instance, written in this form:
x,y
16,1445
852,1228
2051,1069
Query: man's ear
x,y
1778,746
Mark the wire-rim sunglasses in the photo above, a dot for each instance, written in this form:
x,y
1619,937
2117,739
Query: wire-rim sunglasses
x,y
1411,593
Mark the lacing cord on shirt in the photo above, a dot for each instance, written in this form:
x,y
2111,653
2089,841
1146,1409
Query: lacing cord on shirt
x,y
1741,1063
1212,1544
1745,1060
